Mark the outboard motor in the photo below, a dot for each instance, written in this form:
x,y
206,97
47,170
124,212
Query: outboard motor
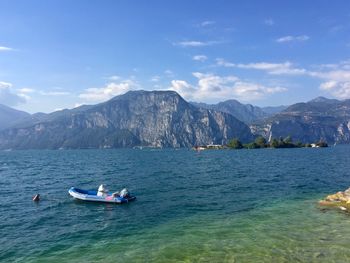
x,y
124,193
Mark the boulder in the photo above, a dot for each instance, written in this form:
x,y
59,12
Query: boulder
x,y
339,199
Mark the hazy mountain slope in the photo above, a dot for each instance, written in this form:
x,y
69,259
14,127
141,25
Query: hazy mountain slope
x,y
271,110
9,116
246,113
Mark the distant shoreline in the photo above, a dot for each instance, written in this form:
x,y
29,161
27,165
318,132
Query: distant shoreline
x,y
261,143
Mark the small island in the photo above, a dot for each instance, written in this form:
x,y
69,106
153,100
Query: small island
x,y
260,143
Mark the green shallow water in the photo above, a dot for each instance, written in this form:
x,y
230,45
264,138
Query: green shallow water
x,y
297,231
216,206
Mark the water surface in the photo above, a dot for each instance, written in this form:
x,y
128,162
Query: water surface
x,y
213,206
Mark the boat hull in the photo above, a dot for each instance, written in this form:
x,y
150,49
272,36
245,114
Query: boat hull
x,y
91,196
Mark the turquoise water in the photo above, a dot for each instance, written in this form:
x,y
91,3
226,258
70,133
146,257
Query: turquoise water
x,y
213,206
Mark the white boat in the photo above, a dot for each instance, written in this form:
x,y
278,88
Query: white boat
x,y
91,195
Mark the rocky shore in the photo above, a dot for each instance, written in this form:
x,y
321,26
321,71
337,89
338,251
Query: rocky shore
x,y
339,199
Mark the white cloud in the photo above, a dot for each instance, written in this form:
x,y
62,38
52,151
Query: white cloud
x,y
224,63
26,90
200,58
5,85
183,88
336,79
54,93
194,43
207,23
212,88
269,22
292,39
285,68
252,91
110,90
337,75
2,48
24,97
169,73
340,90
23,93
329,85
8,97
213,83
113,78
274,68
155,78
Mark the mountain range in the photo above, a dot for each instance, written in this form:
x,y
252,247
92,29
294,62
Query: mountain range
x,y
165,119
244,112
137,118
320,119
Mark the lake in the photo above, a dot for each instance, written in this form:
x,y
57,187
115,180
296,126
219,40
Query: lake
x,y
212,206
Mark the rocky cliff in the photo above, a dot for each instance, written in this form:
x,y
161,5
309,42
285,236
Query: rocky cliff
x,y
156,118
246,113
319,119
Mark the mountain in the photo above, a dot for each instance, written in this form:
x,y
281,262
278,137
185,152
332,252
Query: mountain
x,y
148,118
325,100
246,113
9,116
319,119
271,110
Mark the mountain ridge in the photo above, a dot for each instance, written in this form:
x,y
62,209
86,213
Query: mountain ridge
x,y
136,118
246,113
317,120
165,119
9,116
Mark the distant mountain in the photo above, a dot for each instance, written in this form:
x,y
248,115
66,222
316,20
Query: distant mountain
x,y
148,118
246,113
319,119
271,110
46,117
325,100
9,116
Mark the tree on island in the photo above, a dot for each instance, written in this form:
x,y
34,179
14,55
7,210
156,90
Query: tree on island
x,y
261,142
235,144
251,145
299,144
274,143
284,143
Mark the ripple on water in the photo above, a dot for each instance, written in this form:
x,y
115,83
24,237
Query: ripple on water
x,y
216,206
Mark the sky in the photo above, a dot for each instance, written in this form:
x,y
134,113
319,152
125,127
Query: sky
x,y
62,54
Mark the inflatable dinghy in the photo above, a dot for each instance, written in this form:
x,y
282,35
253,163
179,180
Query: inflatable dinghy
x,y
91,195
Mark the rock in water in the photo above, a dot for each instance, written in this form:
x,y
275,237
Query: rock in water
x,y
339,199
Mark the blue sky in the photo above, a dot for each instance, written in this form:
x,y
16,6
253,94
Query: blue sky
x,y
61,54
